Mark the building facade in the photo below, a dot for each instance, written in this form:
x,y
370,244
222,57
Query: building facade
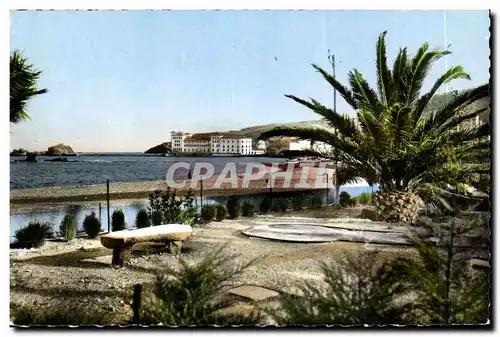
x,y
211,143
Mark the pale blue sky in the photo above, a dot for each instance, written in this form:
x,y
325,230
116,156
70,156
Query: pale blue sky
x,y
121,81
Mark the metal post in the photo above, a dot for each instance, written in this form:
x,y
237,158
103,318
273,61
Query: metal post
x,y
327,189
107,200
331,58
201,193
100,210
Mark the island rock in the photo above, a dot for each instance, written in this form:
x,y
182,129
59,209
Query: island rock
x,y
60,149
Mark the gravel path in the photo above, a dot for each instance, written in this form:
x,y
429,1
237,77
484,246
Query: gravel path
x,y
64,274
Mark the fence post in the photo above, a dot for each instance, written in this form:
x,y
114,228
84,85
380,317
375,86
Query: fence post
x,y
107,199
327,189
136,304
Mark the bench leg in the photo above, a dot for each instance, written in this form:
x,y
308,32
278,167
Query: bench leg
x,y
119,255
174,247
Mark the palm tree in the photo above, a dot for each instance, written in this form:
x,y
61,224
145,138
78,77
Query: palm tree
x,y
396,141
23,86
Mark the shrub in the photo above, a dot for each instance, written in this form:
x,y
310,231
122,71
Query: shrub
x,y
92,225
364,198
67,228
157,218
221,212
173,209
34,235
193,294
118,221
209,212
142,219
281,204
346,200
248,208
357,291
233,207
59,316
316,202
265,205
298,202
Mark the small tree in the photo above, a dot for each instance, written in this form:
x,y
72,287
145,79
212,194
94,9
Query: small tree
x,y
92,225
221,213
118,221
247,209
233,207
68,229
345,199
209,212
265,205
298,202
142,219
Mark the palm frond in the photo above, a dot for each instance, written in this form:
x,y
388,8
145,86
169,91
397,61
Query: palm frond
x,y
341,89
384,76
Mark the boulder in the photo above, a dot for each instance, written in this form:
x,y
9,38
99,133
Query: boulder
x,y
162,148
60,149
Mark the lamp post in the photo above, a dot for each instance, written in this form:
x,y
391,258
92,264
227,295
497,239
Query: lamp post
x,y
331,58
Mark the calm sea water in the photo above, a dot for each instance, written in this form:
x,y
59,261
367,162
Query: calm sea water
x,y
20,219
90,169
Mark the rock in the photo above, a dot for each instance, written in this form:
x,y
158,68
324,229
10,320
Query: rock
x,y
58,160
161,148
60,149
18,152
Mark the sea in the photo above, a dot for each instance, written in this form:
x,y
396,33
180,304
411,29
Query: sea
x,y
96,168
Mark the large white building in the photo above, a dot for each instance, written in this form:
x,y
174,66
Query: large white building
x,y
216,143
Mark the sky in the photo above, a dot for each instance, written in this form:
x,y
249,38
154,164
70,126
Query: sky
x,y
121,81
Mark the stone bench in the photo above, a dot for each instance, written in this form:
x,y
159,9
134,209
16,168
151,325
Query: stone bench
x,y
122,242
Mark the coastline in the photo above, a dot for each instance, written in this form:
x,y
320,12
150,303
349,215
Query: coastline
x,y
142,189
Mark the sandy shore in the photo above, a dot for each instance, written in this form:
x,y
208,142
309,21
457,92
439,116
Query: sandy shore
x,y
138,190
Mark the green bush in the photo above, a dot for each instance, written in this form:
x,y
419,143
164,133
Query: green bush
x,y
157,218
118,221
142,219
221,212
209,212
346,200
265,205
233,207
34,235
92,225
248,208
281,205
298,202
364,198
316,202
67,228
173,209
